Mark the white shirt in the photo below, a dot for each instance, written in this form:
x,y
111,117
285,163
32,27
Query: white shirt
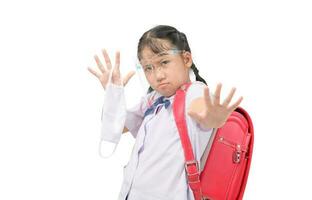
x,y
156,170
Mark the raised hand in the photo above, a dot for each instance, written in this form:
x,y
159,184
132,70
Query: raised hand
x,y
103,75
209,112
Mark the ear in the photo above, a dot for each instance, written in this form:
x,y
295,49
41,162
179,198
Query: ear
x,y
187,59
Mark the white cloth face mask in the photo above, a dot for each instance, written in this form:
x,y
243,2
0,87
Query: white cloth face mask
x,y
113,118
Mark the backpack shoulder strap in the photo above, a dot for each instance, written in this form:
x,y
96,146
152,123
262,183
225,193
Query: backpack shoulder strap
x,y
191,164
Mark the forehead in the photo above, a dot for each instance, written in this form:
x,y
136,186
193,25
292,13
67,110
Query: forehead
x,y
162,46
151,56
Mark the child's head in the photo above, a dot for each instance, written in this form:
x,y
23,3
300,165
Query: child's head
x,y
165,56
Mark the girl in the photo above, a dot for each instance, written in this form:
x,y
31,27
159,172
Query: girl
x,y
156,170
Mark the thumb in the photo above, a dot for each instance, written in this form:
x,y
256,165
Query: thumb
x,y
194,115
127,77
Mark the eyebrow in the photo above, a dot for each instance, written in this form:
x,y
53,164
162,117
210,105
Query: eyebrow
x,y
158,56
162,54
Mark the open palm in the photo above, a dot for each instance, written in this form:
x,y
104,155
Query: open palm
x,y
214,114
104,73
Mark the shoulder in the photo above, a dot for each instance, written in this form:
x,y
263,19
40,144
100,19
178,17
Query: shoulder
x,y
197,84
195,91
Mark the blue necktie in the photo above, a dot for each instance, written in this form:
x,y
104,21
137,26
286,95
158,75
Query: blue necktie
x,y
160,100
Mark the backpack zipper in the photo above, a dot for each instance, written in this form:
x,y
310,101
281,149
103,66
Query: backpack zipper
x,y
236,158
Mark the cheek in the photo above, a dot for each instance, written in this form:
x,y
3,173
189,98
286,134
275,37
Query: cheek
x,y
179,72
151,81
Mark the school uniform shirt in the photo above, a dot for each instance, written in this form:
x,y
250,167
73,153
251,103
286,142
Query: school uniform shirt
x,y
156,170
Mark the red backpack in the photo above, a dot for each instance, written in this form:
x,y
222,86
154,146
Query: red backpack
x,y
226,161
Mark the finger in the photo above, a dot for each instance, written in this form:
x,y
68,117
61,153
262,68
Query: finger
x,y
127,77
107,59
95,73
236,104
99,64
117,61
207,97
216,99
229,97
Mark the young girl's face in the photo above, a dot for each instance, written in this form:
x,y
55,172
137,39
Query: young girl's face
x,y
167,70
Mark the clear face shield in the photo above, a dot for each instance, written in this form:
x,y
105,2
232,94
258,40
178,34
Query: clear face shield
x,y
161,61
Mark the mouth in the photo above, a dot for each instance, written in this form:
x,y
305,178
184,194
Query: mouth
x,y
162,84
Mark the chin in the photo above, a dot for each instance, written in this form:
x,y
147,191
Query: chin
x,y
166,93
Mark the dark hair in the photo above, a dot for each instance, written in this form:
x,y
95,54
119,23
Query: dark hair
x,y
177,39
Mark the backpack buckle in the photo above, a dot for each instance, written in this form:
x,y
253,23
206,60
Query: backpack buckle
x,y
191,162
192,177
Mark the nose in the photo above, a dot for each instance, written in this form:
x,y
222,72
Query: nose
x,y
159,74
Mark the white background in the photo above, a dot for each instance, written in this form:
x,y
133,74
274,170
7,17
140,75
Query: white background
x,y
50,105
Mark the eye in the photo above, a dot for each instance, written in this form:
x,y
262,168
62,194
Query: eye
x,y
165,62
148,68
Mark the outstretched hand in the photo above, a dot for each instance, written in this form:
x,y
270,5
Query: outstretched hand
x,y
104,73
209,112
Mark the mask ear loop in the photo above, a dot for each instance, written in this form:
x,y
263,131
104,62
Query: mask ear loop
x,y
100,150
101,141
